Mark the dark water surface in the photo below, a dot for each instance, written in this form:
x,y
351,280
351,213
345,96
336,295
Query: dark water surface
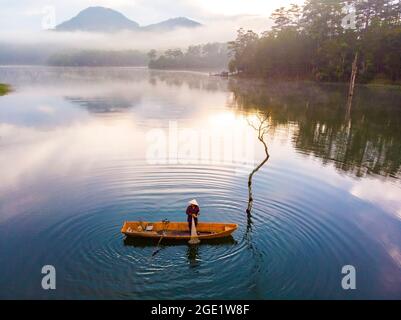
x,y
83,150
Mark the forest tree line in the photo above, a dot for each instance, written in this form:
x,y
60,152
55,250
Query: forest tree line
x,y
320,40
210,55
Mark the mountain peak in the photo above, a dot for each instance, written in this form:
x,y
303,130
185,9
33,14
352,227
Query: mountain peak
x,y
173,23
98,19
101,19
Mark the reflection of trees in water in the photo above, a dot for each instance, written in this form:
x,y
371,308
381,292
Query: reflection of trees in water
x,y
105,104
121,96
70,76
188,79
369,143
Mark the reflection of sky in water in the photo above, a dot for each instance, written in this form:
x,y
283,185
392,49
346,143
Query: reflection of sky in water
x,y
35,109
79,148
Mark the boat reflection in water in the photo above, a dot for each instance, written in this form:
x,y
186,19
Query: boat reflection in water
x,y
193,251
149,242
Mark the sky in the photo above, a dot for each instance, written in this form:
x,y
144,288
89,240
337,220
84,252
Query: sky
x,y
25,15
23,20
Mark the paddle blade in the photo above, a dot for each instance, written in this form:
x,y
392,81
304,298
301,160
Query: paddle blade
x,y
156,252
194,235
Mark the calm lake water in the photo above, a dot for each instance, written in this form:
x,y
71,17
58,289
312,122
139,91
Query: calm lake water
x,y
83,150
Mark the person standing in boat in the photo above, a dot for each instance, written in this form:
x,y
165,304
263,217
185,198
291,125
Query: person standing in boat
x,y
192,211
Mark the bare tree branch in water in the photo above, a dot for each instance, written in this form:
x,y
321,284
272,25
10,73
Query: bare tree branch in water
x,y
262,128
352,86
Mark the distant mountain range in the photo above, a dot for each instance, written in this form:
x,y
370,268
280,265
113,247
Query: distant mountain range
x,y
100,19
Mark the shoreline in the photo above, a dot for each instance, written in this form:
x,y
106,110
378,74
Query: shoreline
x,y
373,84
4,89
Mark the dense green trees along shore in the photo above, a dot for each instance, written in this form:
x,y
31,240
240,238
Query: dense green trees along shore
x,y
4,89
320,41
210,55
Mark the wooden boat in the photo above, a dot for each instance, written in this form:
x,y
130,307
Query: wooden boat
x,y
176,230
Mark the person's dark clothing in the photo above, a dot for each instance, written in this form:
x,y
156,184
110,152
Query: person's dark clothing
x,y
192,210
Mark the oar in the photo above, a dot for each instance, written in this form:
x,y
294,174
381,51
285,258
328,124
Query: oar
x,y
194,235
158,248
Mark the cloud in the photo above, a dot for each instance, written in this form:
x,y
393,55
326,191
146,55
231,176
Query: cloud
x,y
21,22
25,15
46,109
216,31
389,200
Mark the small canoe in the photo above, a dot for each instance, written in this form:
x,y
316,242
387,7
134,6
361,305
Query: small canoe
x,y
176,230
